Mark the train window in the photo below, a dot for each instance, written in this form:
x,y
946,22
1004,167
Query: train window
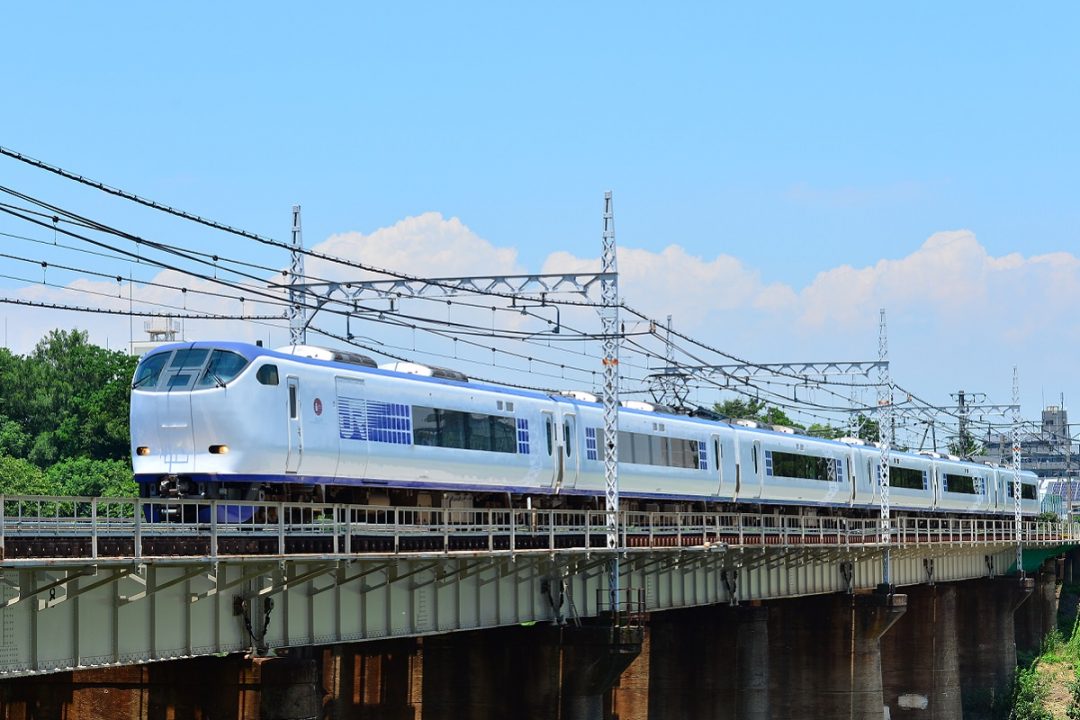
x,y
189,358
566,437
1027,492
908,478
961,484
435,427
223,367
754,453
292,402
803,467
548,428
149,370
267,375
179,380
645,449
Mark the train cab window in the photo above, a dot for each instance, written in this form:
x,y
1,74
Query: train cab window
x,y
548,428
179,380
192,358
149,370
223,367
292,403
267,375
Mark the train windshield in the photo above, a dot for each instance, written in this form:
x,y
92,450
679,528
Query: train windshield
x,y
187,369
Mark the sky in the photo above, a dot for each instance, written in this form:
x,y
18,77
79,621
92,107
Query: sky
x,y
780,172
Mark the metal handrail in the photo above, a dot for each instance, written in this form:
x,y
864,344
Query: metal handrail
x,y
477,529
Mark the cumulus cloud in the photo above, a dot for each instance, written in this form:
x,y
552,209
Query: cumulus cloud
x,y
426,245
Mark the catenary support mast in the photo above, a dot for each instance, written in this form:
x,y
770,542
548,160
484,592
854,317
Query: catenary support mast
x,y
297,325
1016,471
885,438
609,293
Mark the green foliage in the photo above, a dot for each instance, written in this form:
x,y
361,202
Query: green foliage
x,y
829,432
64,419
740,409
87,477
1030,696
20,477
68,398
754,409
966,446
1073,711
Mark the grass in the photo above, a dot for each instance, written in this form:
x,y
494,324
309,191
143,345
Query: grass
x,y
1047,686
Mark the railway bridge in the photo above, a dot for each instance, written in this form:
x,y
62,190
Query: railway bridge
x,y
453,612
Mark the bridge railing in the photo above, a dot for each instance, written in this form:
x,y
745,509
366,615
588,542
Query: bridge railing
x,y
136,527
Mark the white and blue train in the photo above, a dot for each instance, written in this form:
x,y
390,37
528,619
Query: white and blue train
x,y
236,421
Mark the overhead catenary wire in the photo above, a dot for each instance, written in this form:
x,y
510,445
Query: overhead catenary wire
x,y
755,386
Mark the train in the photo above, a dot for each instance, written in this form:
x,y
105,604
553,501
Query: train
x,y
230,420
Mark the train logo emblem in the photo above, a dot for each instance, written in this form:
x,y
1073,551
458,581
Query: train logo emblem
x,y
318,406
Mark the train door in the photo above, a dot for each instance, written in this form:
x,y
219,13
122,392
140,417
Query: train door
x,y
852,478
570,450
353,426
718,460
296,435
554,449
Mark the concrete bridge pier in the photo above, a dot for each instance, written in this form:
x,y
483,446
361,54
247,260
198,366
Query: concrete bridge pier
x,y
538,672
709,663
920,671
1038,616
987,641
826,658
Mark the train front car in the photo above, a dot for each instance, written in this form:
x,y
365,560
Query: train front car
x,y
196,411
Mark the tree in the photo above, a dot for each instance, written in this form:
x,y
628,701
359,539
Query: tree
x,y
21,477
78,400
966,446
829,432
89,477
740,409
867,429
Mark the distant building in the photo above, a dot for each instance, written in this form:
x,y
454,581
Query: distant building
x,y
162,330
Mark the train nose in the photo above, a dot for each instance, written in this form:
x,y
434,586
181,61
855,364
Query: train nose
x,y
176,437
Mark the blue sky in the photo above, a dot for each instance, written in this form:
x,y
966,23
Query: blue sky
x,y
797,138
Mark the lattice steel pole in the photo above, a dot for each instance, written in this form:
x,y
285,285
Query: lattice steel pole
x,y
1016,472
885,439
297,326
609,293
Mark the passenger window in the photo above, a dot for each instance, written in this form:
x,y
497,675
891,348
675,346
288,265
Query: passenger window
x,y
267,375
